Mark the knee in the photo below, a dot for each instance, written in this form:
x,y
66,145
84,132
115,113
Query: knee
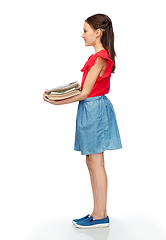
x,y
96,162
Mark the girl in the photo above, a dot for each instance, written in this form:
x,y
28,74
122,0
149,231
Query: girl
x,y
96,125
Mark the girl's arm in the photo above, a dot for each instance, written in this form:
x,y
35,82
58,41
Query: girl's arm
x,y
88,85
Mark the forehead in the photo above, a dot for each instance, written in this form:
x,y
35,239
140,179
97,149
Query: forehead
x,y
87,26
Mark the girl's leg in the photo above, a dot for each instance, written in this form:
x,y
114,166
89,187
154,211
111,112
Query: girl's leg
x,y
100,183
92,184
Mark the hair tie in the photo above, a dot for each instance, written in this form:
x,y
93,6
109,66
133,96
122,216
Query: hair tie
x,y
105,26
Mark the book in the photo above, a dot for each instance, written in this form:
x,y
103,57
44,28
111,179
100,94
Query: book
x,y
64,91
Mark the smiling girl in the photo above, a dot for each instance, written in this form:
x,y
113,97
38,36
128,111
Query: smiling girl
x,y
96,125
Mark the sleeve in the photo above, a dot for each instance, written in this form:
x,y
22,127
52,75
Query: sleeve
x,y
108,70
110,63
91,61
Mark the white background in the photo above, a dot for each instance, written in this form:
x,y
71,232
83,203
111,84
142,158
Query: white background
x,y
42,179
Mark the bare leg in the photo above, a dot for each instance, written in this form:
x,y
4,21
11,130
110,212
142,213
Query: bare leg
x,y
100,183
92,184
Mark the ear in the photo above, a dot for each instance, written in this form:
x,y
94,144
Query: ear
x,y
99,33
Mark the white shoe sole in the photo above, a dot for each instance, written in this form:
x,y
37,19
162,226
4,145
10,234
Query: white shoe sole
x,y
93,226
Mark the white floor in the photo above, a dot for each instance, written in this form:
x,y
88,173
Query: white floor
x,y
131,229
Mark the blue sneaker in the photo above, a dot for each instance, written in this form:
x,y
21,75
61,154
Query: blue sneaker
x,y
80,219
90,223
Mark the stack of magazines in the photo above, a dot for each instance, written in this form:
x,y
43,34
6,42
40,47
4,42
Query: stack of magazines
x,y
65,91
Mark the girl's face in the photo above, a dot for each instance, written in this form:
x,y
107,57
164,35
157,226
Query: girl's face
x,y
89,35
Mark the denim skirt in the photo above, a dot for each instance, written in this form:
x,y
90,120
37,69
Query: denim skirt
x,y
96,126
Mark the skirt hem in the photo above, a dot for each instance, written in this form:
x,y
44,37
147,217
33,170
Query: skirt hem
x,y
90,153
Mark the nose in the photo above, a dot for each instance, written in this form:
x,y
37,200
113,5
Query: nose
x,y
82,35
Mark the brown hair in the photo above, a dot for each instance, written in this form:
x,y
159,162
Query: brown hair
x,y
103,22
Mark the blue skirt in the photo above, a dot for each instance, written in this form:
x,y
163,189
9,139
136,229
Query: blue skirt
x,y
96,126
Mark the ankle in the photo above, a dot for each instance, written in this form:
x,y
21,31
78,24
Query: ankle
x,y
99,215
93,213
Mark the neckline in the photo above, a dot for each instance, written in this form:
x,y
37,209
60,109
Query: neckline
x,y
99,52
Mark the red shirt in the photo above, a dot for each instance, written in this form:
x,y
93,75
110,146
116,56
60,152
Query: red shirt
x,y
102,84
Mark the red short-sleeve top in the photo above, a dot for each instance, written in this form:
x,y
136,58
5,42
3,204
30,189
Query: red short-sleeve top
x,y
102,84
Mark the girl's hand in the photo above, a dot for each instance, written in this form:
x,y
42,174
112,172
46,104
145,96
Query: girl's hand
x,y
48,100
44,95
